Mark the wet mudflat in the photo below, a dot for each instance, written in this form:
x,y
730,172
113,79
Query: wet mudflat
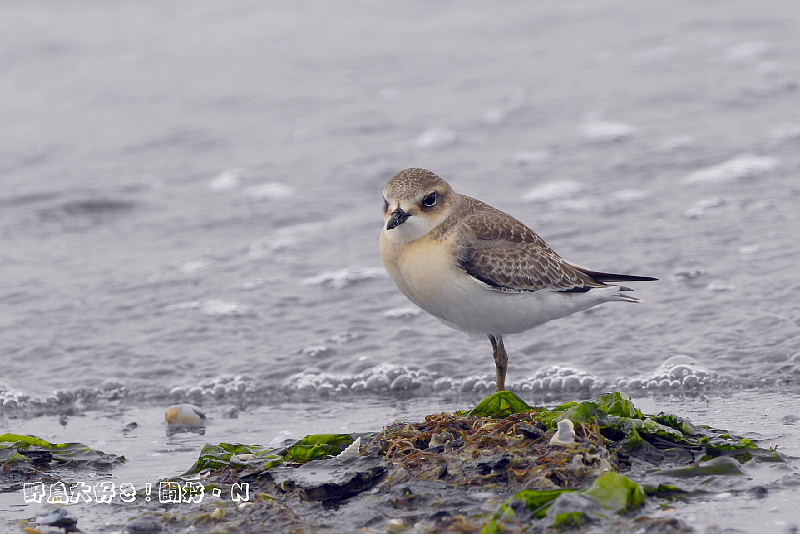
x,y
504,466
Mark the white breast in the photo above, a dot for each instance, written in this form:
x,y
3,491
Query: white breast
x,y
427,273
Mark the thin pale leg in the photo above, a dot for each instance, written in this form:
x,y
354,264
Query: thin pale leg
x,y
500,360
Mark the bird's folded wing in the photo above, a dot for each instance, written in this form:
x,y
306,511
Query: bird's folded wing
x,y
515,266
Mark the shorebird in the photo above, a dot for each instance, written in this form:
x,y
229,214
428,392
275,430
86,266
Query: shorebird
x,y
478,269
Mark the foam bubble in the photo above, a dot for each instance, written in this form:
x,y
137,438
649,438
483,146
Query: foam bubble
x,y
266,247
745,166
581,205
552,191
269,191
345,337
226,180
435,137
183,306
749,250
191,267
607,132
283,238
528,158
720,288
223,308
786,132
381,379
256,283
494,116
745,52
612,202
345,277
703,206
317,351
678,142
401,313
559,379
688,275
627,195
655,55
679,372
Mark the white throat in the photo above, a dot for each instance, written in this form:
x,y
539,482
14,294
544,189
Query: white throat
x,y
412,229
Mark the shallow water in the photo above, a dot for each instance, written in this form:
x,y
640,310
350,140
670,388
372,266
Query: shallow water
x,y
190,202
761,500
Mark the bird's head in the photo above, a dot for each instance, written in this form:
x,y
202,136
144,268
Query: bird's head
x,y
415,201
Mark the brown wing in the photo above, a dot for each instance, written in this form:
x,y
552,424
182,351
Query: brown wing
x,y
502,252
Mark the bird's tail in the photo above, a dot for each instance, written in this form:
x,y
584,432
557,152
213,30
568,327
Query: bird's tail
x,y
612,277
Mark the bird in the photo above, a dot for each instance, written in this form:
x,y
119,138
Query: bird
x,y
478,269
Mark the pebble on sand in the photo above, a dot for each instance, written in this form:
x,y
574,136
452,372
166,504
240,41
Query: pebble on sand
x,y
187,415
565,435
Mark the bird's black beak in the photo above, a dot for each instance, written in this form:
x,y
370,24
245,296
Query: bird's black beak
x,y
398,217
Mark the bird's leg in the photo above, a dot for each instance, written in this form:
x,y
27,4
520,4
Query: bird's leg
x,y
500,361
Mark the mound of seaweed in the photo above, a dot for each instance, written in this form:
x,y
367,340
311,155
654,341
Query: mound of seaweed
x,y
31,459
503,467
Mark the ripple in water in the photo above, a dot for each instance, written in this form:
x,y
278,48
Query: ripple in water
x,y
553,191
607,132
226,180
345,277
269,191
743,167
436,137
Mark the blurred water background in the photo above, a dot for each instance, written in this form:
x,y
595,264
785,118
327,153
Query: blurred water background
x,y
190,200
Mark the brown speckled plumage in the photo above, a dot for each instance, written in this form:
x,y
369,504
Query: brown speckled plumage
x,y
408,182
504,253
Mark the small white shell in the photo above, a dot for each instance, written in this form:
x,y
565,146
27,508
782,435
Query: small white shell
x,y
185,415
352,450
565,435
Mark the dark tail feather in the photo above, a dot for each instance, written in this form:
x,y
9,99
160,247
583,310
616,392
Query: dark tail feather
x,y
611,277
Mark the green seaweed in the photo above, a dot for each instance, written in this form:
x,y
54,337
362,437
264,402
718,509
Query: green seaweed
x,y
570,520
501,404
630,432
12,445
537,502
619,404
621,422
581,413
610,405
318,446
616,492
612,491
230,455
678,423
492,527
664,491
19,441
725,444
722,466
258,458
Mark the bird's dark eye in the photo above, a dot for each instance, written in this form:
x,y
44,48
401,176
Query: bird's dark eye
x,y
430,200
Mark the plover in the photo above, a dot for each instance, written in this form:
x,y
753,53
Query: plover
x,y
478,269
